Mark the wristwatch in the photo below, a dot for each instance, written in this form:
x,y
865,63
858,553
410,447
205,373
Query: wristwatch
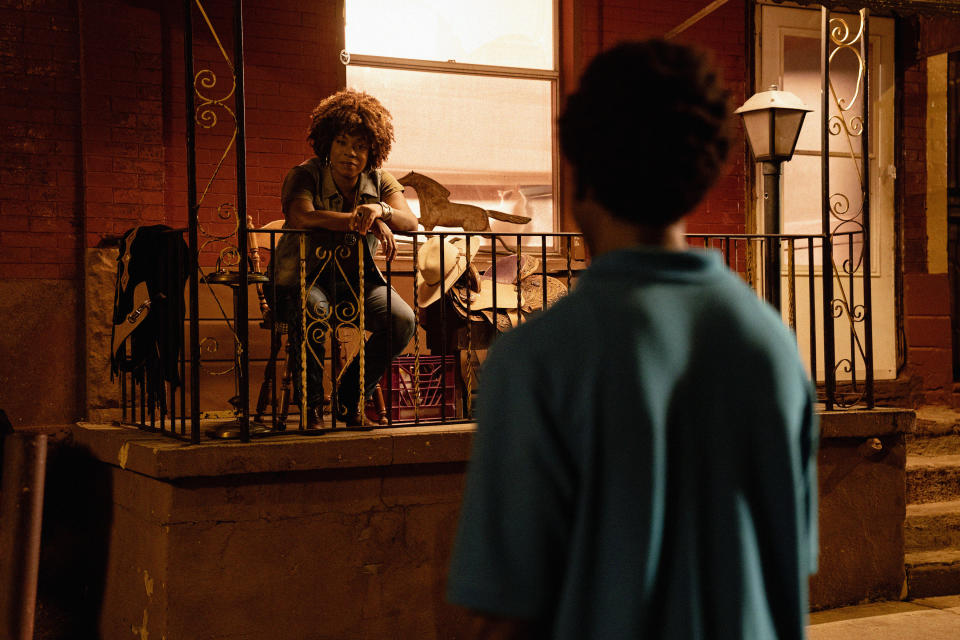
x,y
387,212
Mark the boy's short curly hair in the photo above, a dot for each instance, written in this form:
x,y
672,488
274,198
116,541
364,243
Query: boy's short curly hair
x,y
647,130
355,113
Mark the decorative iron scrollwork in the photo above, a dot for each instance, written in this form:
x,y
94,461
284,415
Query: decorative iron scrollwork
x,y
336,264
846,211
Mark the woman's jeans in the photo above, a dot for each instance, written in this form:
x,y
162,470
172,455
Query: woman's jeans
x,y
389,337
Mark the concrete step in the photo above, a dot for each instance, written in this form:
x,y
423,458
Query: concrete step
x,y
933,445
932,526
933,573
937,420
933,478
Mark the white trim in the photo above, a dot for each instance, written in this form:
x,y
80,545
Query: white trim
x,y
451,66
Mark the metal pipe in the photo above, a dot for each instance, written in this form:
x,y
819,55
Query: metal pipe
x,y
28,589
771,225
23,464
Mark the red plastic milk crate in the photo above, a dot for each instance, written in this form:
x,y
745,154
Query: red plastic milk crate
x,y
432,376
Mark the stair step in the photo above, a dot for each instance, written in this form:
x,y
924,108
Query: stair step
x,y
937,420
933,573
933,478
932,525
933,445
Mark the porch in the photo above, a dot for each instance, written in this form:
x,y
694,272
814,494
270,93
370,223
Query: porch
x,y
348,535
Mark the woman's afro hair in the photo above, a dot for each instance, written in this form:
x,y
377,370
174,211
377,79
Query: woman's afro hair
x,y
355,113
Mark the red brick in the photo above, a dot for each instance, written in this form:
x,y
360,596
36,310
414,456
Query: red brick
x,y
929,331
97,163
97,195
52,225
69,271
29,271
150,181
15,254
935,366
132,196
53,255
21,239
926,295
41,209
67,240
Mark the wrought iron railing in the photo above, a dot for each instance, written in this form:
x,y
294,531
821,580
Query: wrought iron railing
x,y
828,315
847,215
436,377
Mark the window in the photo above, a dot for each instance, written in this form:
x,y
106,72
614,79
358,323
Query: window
x,y
473,90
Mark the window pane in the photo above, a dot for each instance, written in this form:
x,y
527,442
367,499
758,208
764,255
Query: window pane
x,y
802,76
486,139
495,32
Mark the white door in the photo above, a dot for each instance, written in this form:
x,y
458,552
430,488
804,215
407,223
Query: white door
x,y
789,57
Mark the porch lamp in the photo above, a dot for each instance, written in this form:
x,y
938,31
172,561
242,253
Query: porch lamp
x,y
772,120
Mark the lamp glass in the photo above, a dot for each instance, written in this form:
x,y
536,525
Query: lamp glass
x,y
757,125
786,129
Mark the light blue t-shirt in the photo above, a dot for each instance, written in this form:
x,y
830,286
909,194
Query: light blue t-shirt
x,y
645,461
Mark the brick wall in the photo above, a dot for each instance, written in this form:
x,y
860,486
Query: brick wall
x,y
39,140
926,296
913,172
132,169
40,186
126,165
607,22
92,141
291,52
122,118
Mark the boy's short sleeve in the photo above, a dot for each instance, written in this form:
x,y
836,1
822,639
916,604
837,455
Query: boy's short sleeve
x,y
514,524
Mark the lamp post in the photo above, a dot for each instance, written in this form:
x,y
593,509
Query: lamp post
x,y
772,120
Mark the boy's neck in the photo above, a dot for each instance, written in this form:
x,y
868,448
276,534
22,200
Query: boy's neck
x,y
604,232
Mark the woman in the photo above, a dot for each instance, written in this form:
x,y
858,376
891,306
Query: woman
x,y
338,193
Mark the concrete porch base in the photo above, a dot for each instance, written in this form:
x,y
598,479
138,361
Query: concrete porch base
x,y
339,536
348,535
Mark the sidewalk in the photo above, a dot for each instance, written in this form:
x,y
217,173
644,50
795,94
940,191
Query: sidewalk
x,y
923,619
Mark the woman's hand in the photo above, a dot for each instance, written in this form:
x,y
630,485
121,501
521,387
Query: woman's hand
x,y
383,233
364,215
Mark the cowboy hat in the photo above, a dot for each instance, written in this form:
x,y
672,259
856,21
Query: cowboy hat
x,y
428,279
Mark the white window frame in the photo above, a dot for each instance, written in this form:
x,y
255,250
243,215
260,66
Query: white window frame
x,y
524,73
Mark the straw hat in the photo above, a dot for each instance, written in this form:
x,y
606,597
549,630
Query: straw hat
x,y
429,280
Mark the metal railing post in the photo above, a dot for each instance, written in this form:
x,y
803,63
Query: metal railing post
x,y
829,349
192,239
865,154
242,319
